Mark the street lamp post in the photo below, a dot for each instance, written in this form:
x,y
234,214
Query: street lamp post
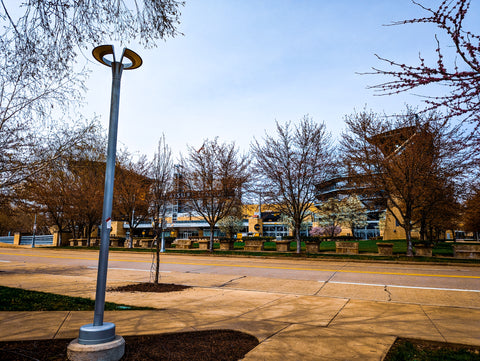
x,y
100,332
162,228
34,230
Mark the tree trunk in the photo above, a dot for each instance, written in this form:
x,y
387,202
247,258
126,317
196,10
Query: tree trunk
x,y
130,235
408,236
157,257
89,231
210,246
422,229
74,232
297,238
59,235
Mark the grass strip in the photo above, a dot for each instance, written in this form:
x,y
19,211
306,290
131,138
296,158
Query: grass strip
x,y
419,350
442,252
17,299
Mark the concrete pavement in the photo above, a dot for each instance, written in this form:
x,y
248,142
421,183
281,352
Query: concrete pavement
x,y
292,319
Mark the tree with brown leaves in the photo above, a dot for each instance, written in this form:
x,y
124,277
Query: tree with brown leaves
x,y
472,212
131,194
87,178
69,190
403,159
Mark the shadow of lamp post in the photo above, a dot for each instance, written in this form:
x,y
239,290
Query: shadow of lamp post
x,y
100,332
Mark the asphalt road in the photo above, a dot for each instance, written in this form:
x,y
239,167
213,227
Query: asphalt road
x,y
457,278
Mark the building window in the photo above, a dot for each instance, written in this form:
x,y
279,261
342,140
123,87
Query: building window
x,y
271,230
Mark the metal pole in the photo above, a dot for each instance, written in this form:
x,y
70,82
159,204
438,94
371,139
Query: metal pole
x,y
162,248
99,332
117,69
130,234
34,229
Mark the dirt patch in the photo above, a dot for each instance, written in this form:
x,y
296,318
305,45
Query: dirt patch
x,y
149,287
211,345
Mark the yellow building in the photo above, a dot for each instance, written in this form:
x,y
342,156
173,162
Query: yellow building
x,y
393,230
267,223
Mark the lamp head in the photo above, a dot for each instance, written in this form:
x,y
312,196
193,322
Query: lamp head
x,y
100,54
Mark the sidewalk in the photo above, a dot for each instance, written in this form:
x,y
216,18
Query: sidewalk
x,y
293,320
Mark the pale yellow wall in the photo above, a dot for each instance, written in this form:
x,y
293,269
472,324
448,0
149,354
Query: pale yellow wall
x,y
117,229
392,231
248,210
251,225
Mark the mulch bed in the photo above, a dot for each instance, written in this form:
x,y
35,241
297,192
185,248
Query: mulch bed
x,y
149,287
211,345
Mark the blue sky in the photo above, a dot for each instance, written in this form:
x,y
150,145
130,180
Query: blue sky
x,y
244,64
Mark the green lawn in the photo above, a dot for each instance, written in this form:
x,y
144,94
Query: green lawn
x,y
405,350
17,299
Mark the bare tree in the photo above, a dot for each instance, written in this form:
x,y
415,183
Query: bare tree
x,y
214,178
39,83
461,77
27,149
291,164
401,158
161,173
51,33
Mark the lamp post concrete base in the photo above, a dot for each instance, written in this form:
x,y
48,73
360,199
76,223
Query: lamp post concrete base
x,y
108,351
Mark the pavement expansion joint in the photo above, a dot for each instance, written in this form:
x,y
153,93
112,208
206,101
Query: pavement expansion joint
x,y
329,278
61,324
261,306
433,323
338,312
275,333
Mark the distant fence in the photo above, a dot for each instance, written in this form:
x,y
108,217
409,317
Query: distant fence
x,y
43,240
40,240
6,239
